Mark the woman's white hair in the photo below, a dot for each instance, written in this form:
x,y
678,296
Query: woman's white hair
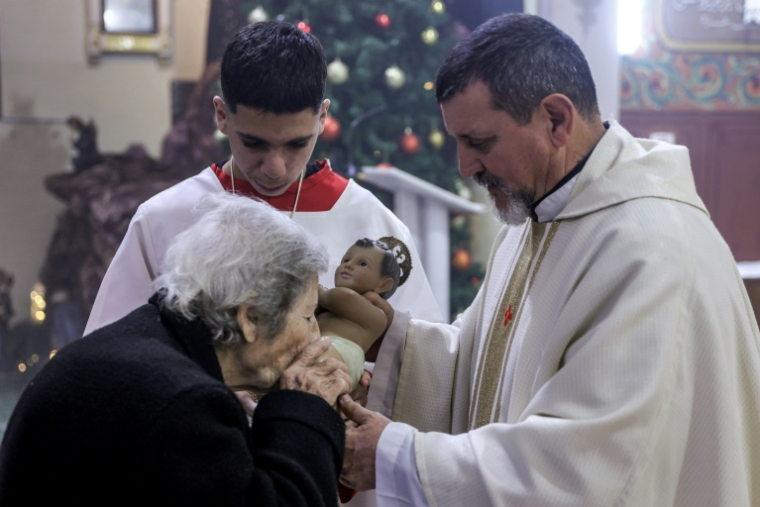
x,y
240,251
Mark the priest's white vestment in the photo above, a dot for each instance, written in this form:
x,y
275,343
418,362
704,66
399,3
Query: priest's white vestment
x,y
611,356
356,214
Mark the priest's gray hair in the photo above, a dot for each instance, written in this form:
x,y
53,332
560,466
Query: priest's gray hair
x,y
240,251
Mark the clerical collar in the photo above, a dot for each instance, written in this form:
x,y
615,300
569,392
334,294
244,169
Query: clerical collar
x,y
551,204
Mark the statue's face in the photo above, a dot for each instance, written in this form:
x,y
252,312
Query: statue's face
x,y
360,269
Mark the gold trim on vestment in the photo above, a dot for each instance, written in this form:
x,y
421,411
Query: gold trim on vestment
x,y
496,340
493,360
544,249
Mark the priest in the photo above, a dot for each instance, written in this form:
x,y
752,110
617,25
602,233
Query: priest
x,y
611,356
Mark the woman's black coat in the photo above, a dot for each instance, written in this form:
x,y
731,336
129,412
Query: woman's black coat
x,y
136,413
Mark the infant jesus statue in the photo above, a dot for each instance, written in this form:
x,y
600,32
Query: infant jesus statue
x,y
346,314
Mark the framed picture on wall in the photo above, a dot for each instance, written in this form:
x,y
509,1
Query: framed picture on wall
x,y
129,16
129,27
708,26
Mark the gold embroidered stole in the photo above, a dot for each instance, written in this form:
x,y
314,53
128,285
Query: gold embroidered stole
x,y
493,360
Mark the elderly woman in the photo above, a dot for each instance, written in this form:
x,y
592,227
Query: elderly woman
x,y
142,412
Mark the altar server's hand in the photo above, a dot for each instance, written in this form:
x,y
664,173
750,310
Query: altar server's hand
x,y
363,430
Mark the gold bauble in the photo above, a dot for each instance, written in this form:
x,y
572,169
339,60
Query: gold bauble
x,y
436,138
430,35
257,14
337,72
438,7
394,77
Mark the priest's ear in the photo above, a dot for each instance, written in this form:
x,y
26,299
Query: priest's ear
x,y
560,113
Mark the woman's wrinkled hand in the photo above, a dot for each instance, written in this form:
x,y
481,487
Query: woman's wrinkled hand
x,y
328,379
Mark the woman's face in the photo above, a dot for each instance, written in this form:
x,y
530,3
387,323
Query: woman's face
x,y
267,357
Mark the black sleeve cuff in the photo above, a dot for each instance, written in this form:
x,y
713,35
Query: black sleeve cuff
x,y
288,407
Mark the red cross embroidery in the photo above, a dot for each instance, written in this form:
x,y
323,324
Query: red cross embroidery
x,y
508,315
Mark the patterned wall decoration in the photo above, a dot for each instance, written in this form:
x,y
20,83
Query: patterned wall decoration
x,y
659,78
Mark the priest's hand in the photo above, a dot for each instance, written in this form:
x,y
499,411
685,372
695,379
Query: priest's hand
x,y
363,430
361,392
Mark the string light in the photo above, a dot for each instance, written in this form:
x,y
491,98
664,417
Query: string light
x,y
38,304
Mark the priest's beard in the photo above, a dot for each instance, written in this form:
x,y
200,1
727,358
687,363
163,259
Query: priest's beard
x,y
519,202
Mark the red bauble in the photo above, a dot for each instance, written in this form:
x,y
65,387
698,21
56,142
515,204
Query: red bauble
x,y
461,259
303,26
410,144
383,20
331,132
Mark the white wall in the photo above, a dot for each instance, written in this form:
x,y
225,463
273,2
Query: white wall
x,y
593,26
44,65
45,75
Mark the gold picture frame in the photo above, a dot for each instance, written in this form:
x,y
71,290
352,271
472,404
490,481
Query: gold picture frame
x,y
705,27
129,27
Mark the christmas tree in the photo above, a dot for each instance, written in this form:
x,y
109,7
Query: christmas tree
x,y
382,61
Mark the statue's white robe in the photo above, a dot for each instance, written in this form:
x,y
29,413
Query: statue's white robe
x,y
628,371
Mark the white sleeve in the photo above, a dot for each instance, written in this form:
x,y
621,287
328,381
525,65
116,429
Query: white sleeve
x,y
397,481
127,284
